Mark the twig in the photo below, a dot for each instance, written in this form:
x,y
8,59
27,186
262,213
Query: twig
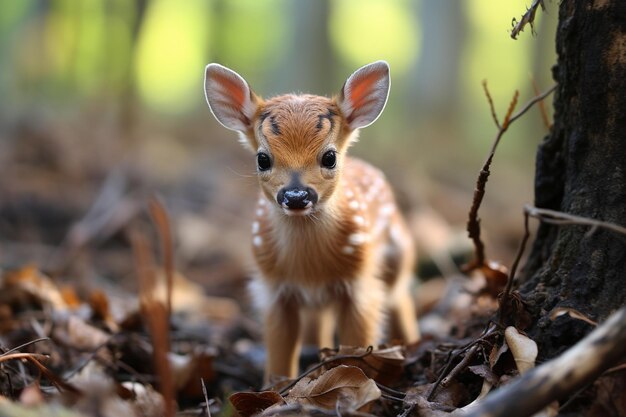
x,y
162,223
324,363
32,342
206,398
511,278
528,18
34,359
542,107
155,315
491,106
558,217
584,362
446,373
460,366
473,223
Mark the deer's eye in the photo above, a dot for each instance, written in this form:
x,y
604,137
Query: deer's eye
x,y
329,159
263,161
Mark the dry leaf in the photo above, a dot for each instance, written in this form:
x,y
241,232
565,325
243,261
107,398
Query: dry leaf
x,y
80,335
496,276
485,372
523,348
251,403
346,387
573,313
28,285
385,366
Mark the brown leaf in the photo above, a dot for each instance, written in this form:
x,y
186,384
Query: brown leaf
x,y
385,366
343,386
251,403
485,372
573,313
609,398
28,285
496,276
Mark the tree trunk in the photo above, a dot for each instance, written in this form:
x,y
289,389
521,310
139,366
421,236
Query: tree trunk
x,y
581,170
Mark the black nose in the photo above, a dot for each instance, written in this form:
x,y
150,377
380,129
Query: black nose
x,y
296,198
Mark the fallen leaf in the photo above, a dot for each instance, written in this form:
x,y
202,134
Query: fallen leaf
x,y
251,403
573,313
523,348
385,366
27,286
485,372
80,335
346,387
609,398
496,276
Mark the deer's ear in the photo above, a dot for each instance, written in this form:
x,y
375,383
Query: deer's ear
x,y
229,97
364,95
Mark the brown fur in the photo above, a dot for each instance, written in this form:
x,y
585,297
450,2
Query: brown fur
x,y
349,261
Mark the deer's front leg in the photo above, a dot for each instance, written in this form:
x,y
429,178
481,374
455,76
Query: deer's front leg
x,y
282,339
360,315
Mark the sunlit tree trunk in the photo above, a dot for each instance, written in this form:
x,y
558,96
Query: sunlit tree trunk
x,y
581,169
310,64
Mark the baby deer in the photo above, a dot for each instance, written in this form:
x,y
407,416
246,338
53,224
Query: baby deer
x,y
330,245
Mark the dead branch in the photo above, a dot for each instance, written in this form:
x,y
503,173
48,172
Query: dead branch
x,y
528,18
473,223
448,373
581,364
542,107
155,315
162,222
560,218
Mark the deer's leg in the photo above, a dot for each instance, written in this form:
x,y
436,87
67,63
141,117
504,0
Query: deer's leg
x,y
400,261
360,314
282,339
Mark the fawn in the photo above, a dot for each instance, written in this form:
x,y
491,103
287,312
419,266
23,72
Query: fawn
x,y
331,247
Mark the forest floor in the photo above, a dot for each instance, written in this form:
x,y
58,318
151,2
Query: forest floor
x,y
89,325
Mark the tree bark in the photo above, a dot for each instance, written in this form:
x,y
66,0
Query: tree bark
x,y
581,170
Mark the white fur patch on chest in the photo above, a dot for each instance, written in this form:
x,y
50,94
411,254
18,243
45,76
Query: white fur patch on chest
x,y
265,294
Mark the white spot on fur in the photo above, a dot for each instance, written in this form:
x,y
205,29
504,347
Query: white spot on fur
x,y
262,202
260,212
257,241
357,238
255,228
359,220
348,250
354,204
387,210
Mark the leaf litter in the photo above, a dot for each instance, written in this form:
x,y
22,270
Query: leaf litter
x,y
156,344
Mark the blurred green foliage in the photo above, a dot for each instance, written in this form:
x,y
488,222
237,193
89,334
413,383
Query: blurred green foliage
x,y
150,54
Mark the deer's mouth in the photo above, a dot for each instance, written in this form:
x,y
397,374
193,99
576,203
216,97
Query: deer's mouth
x,y
301,211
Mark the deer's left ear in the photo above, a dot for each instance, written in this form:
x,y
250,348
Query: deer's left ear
x,y
364,95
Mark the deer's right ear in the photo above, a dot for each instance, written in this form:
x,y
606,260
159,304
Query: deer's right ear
x,y
229,97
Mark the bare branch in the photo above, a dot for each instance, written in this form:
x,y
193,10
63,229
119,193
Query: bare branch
x,y
528,18
162,222
491,106
558,217
473,223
